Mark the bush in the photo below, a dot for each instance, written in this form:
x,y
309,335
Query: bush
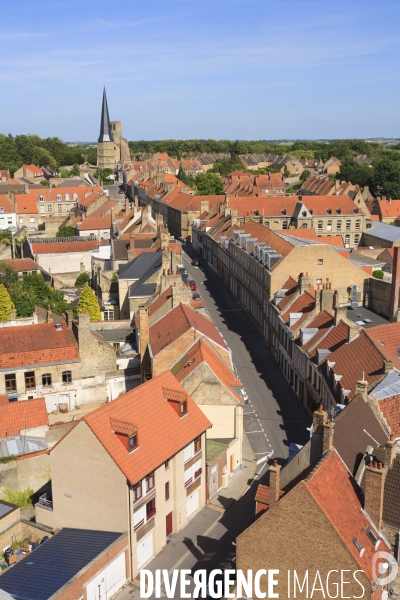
x,y
66,231
378,274
19,498
82,279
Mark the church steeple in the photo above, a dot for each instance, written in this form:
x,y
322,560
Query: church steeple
x,y
105,127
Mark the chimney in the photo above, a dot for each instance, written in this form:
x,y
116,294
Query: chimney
x,y
274,483
354,330
49,315
68,319
374,491
145,215
127,205
144,330
327,298
327,441
394,301
131,248
390,451
362,388
305,282
83,320
26,188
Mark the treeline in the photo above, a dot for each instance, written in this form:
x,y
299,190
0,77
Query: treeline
x,y
32,149
301,149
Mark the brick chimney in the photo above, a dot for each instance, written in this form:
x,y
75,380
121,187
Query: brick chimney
x,y
390,451
374,491
394,300
304,282
127,205
362,388
131,248
49,315
144,330
327,441
274,483
68,319
327,298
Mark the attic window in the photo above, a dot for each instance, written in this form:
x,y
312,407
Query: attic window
x,y
126,432
339,211
310,210
304,213
356,209
177,400
329,211
374,539
283,211
358,546
183,408
2,209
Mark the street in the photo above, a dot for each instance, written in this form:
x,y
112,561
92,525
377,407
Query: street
x,y
274,417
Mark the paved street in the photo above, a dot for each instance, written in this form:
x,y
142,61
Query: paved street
x,y
274,417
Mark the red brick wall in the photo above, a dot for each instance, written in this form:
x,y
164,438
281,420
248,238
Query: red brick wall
x,y
77,587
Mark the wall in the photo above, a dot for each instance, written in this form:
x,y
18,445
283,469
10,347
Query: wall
x,y
65,263
88,488
30,472
379,296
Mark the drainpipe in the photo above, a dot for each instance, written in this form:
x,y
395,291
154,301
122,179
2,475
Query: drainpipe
x,y
130,505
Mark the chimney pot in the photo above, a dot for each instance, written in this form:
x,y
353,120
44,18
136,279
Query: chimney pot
x,y
321,406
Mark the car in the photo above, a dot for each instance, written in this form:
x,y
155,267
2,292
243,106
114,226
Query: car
x,y
192,284
195,263
196,297
121,192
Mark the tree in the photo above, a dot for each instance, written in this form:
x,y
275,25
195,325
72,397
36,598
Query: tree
x,y
8,275
378,274
82,279
44,183
208,184
88,302
75,171
305,175
66,231
5,304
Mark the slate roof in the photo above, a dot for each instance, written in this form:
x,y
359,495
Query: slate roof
x,y
161,432
144,264
24,414
384,231
176,322
37,344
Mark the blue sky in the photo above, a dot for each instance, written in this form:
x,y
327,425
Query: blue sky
x,y
223,69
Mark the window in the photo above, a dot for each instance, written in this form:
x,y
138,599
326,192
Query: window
x,y
41,199
356,239
149,482
49,208
67,376
329,211
166,464
320,261
11,382
304,226
167,491
183,408
329,226
2,209
109,315
137,491
347,241
284,224
60,208
67,207
197,445
42,209
358,546
372,536
319,225
30,382
46,379
348,225
151,509
358,224
133,441
319,280
338,225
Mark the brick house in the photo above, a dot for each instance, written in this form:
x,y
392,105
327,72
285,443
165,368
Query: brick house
x,y
64,362
147,449
320,524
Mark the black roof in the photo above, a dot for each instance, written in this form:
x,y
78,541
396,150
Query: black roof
x,y
48,568
141,267
105,126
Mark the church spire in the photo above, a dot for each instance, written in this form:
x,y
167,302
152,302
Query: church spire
x,y
105,127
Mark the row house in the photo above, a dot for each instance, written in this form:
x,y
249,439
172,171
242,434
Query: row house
x,y
64,361
8,212
184,209
147,449
31,173
240,184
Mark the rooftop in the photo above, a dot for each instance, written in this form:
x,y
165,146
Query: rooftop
x,y
21,415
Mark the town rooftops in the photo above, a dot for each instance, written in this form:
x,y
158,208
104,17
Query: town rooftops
x,y
21,415
62,245
22,264
161,431
29,345
388,208
387,338
176,322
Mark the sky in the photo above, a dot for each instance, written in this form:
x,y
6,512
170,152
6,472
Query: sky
x,y
221,69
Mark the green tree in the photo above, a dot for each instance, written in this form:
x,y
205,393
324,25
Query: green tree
x,y
88,302
305,175
75,171
208,184
386,178
5,304
82,279
64,174
378,274
182,175
66,231
8,276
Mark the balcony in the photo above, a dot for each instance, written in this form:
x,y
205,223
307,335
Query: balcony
x,y
46,501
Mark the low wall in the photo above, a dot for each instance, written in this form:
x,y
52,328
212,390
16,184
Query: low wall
x,y
379,296
31,472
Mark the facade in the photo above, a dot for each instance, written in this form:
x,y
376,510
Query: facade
x,y
8,212
148,450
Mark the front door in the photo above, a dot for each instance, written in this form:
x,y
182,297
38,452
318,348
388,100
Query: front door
x,y
213,481
231,467
168,521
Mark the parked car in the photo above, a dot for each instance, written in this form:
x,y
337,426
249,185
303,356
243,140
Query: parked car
x,y
196,297
121,192
195,263
192,284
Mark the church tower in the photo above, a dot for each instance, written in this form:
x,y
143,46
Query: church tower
x,y
107,149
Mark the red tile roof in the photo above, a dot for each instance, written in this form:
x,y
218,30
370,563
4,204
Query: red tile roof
x,y
64,247
389,209
186,202
266,206
6,203
36,344
24,414
320,205
22,264
335,337
390,409
176,322
26,204
161,432
338,496
202,352
160,300
387,339
323,322
95,223
303,304
291,286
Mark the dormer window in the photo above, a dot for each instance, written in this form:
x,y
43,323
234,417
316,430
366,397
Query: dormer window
x,y
283,211
133,440
126,433
58,197
183,408
339,211
310,210
177,401
329,211
41,199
